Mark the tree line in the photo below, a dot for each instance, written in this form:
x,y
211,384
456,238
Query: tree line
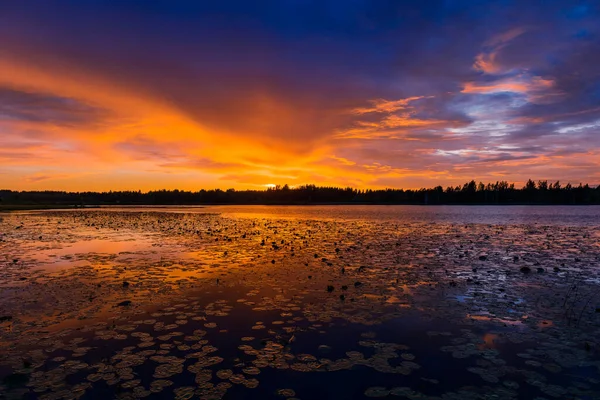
x,y
501,192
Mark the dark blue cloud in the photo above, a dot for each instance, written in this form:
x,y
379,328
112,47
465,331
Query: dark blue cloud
x,y
37,107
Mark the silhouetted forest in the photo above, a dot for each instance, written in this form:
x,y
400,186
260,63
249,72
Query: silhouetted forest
x,y
540,192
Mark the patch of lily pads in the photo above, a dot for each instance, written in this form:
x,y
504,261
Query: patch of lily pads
x,y
211,305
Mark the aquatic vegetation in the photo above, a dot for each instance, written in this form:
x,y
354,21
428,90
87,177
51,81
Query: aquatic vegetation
x,y
191,305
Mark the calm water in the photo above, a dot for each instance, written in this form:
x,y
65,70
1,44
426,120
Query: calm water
x,y
544,215
301,302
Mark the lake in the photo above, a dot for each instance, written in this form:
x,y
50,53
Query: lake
x,y
301,302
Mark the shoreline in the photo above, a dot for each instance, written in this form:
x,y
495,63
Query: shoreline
x,y
34,207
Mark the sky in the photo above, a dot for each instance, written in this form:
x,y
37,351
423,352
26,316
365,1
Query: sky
x,y
144,95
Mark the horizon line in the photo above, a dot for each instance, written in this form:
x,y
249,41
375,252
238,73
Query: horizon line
x,y
275,187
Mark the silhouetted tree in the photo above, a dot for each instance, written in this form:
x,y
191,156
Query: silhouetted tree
x,y
500,192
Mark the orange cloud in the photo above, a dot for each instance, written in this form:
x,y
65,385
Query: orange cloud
x,y
535,87
486,61
141,132
394,119
387,106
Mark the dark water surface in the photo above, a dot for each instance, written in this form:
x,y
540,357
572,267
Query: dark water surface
x,y
301,302
502,215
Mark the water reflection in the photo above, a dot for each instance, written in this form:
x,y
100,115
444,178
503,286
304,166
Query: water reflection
x,y
144,303
489,341
496,215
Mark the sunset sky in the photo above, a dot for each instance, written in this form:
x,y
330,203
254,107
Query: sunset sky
x,y
99,95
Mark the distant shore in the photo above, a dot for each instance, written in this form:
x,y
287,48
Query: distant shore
x,y
471,193
41,207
